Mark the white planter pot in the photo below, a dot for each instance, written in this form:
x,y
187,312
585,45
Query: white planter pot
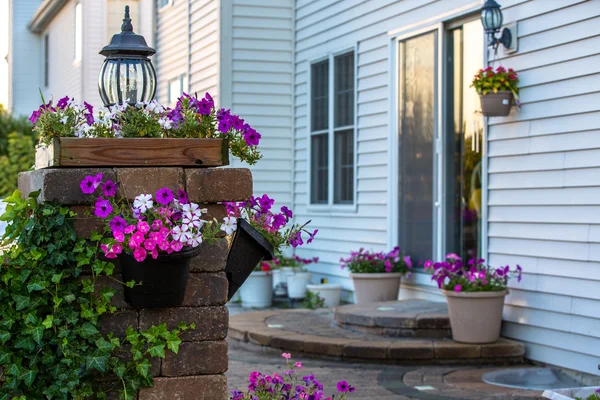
x,y
570,394
475,317
330,292
257,291
280,280
297,284
372,288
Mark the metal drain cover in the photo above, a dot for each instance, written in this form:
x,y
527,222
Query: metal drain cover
x,y
531,378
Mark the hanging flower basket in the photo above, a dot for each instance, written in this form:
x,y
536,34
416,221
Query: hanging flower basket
x,y
496,104
163,280
248,249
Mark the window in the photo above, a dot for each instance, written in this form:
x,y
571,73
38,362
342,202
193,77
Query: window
x,y
46,60
78,32
163,3
176,87
332,130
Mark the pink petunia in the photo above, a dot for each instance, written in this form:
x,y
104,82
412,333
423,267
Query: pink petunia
x,y
119,236
287,356
143,227
154,253
156,225
129,229
176,245
139,254
149,244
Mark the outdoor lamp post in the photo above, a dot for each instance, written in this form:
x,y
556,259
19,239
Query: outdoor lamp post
x,y
127,74
491,18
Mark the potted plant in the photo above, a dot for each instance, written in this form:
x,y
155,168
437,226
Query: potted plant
x,y
154,239
475,293
260,233
257,291
193,133
298,277
376,275
497,90
329,292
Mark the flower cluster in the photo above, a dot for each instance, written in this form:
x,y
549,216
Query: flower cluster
x,y
67,119
153,224
363,261
272,225
292,262
190,118
288,386
473,276
490,80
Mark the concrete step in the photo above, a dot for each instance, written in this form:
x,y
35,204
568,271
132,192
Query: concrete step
x,y
407,318
315,333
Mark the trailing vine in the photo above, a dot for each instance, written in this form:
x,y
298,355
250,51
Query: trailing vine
x,y
51,346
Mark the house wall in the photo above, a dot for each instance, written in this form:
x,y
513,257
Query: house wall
x,y
258,73
544,169
543,163
204,49
24,58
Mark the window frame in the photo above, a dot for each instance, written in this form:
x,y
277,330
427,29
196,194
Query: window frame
x,y
167,4
183,85
331,206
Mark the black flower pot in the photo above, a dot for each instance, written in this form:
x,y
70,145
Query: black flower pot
x,y
249,248
163,280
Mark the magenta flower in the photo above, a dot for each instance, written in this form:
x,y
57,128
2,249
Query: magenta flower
x,y
343,387
138,237
311,236
154,253
129,229
182,196
265,202
109,189
287,212
176,245
88,185
252,137
298,365
62,103
296,240
408,261
149,244
388,266
164,196
143,227
117,248
457,288
139,254
279,221
119,236
287,356
35,116
102,208
117,224
157,225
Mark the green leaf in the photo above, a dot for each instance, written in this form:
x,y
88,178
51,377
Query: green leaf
x,y
95,236
173,344
131,284
20,301
28,376
25,342
143,368
47,323
88,330
56,278
35,286
104,346
157,351
96,362
4,336
5,357
36,333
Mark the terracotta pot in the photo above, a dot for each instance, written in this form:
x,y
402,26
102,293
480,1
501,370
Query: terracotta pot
x,y
475,317
496,104
257,290
371,288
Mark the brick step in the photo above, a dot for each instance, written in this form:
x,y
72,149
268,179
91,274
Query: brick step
x,y
315,333
406,318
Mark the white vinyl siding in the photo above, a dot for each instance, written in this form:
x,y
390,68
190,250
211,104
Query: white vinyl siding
x,y
204,48
544,212
260,87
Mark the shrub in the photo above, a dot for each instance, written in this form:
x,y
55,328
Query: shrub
x,y
20,157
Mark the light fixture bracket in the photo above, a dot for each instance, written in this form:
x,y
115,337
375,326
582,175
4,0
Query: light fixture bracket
x,y
508,39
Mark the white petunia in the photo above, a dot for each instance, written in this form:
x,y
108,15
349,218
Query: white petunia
x,y
229,225
181,233
192,208
166,123
193,221
195,240
143,202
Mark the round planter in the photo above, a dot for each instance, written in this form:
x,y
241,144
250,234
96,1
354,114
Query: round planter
x,y
475,317
257,291
330,292
280,280
371,288
248,249
297,283
163,279
496,104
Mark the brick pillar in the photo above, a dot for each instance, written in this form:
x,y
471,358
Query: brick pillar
x,y
197,371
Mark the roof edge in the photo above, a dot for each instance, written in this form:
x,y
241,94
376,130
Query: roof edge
x,y
45,14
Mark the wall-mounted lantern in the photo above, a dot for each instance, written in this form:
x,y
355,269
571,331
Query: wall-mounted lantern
x,y
127,74
491,18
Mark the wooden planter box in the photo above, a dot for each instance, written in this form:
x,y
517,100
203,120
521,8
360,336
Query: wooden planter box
x,y
132,152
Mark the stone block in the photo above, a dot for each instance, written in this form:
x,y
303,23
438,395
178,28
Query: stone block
x,y
136,181
352,317
212,257
85,225
211,322
288,341
262,336
206,289
324,346
215,185
118,299
411,350
60,185
217,211
447,350
395,320
433,321
118,322
196,358
502,348
207,387
366,350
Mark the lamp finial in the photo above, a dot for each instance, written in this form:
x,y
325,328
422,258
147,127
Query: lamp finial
x,y
127,26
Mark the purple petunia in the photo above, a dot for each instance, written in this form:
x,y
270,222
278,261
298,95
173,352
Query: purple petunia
x,y
311,236
251,137
279,221
102,208
182,196
88,185
265,203
109,189
164,196
118,224
62,103
296,240
34,116
287,212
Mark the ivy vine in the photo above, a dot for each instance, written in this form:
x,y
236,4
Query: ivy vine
x,y
51,346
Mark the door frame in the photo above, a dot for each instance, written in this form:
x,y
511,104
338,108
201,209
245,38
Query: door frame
x,y
440,24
